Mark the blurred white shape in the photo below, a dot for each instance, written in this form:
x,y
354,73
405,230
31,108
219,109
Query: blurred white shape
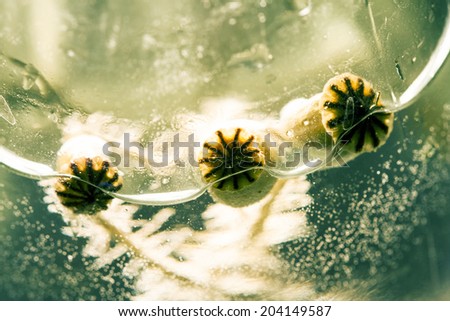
x,y
78,147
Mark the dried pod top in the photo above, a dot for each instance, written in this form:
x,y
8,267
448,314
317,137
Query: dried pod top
x,y
93,172
229,152
352,113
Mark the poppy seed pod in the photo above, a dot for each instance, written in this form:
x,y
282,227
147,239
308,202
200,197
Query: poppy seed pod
x,y
346,119
232,161
352,112
82,157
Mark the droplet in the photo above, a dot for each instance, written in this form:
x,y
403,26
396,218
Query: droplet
x,y
184,53
234,5
53,117
261,17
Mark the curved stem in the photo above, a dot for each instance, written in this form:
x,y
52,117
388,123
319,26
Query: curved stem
x,y
265,209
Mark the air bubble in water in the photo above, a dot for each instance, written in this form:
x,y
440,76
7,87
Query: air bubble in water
x,y
261,17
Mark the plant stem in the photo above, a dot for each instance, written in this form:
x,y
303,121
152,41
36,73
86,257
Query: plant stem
x,y
265,209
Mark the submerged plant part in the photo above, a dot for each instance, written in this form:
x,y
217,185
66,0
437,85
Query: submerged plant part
x,y
79,193
340,123
301,125
233,160
354,115
90,176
